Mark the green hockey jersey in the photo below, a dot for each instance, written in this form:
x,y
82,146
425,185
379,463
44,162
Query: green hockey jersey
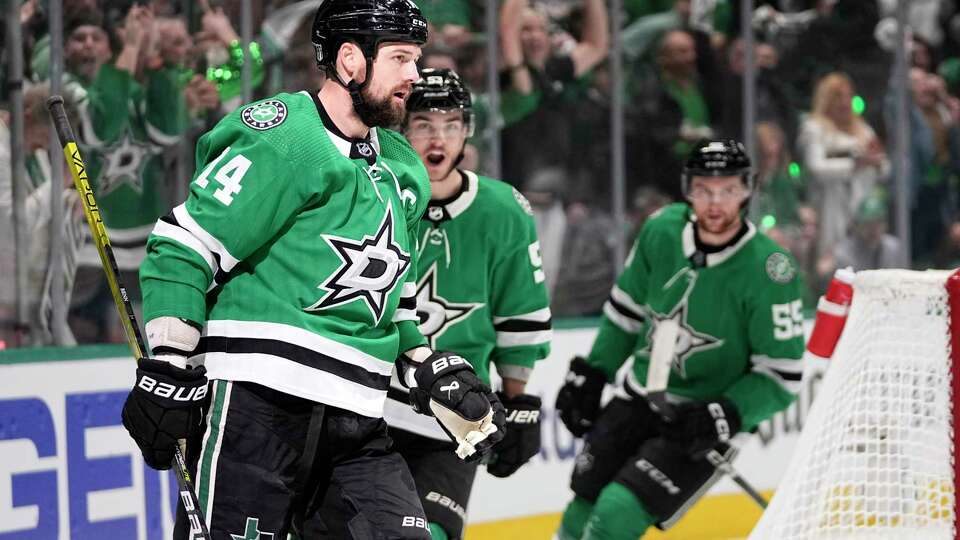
x,y
298,259
738,310
124,129
480,288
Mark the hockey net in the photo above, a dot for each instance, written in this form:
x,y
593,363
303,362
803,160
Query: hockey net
x,y
876,458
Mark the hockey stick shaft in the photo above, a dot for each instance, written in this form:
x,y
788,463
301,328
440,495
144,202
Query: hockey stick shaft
x,y
78,170
658,376
727,468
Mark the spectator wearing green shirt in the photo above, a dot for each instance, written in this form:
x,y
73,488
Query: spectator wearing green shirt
x,y
675,109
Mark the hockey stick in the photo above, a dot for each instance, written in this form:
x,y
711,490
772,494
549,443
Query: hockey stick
x,y
658,375
198,526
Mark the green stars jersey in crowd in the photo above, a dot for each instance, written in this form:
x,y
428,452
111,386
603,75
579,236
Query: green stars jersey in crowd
x,y
739,314
298,259
480,288
124,129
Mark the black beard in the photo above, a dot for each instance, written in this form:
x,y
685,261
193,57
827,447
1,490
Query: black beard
x,y
375,112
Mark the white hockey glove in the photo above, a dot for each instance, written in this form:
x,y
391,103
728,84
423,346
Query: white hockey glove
x,y
445,386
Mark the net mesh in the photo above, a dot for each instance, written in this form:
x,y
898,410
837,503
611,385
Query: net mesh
x,y
875,457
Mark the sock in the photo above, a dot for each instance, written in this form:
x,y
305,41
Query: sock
x,y
574,519
437,532
608,520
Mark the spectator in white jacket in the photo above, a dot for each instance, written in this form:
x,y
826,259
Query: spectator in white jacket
x,y
843,157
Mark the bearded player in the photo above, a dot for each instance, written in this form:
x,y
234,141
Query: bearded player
x,y
733,297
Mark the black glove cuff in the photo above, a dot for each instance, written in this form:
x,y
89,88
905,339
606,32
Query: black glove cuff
x,y
437,365
521,410
593,379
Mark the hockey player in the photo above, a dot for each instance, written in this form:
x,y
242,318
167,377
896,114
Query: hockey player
x,y
294,258
733,296
480,293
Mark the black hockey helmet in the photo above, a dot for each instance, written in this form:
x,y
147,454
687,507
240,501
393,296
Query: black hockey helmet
x,y
717,157
368,23
440,89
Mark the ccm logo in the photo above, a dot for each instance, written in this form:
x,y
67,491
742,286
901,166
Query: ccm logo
x,y
169,391
523,417
720,422
444,362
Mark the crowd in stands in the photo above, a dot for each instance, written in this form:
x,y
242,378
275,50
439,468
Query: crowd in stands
x,y
143,80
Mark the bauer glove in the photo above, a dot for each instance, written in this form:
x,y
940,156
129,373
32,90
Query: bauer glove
x,y
445,386
578,400
697,426
164,407
522,440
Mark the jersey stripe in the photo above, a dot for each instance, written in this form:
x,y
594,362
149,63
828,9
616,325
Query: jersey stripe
x,y
626,304
516,339
398,413
624,322
405,315
541,315
294,353
301,338
185,220
520,325
167,227
791,382
210,449
296,379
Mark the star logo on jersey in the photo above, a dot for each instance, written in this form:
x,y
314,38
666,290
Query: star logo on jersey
x,y
369,269
436,313
264,115
689,340
252,531
123,163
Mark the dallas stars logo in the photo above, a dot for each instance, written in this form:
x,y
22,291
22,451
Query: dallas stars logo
x,y
369,269
436,313
689,340
264,115
123,163
252,531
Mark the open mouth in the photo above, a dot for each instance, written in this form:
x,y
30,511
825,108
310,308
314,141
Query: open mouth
x,y
435,158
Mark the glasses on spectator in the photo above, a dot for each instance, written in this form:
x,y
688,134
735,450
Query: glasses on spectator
x,y
702,194
426,130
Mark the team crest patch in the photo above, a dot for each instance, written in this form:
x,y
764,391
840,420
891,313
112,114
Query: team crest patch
x,y
264,115
522,201
779,268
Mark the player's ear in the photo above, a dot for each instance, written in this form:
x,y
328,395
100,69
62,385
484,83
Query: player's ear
x,y
351,62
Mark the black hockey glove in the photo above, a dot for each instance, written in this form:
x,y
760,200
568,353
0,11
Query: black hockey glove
x,y
522,440
466,409
578,400
163,407
697,426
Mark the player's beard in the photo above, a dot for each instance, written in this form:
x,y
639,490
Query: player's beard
x,y
379,111
727,224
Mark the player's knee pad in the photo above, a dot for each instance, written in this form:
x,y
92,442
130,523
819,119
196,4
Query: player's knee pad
x,y
668,483
617,515
622,427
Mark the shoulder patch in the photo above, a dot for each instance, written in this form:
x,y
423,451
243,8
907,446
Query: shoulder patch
x,y
779,268
264,115
522,201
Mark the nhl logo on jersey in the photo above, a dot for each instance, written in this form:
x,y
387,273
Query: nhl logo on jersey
x,y
364,149
779,268
264,115
370,270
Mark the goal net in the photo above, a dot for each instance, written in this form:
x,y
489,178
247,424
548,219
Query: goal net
x,y
876,458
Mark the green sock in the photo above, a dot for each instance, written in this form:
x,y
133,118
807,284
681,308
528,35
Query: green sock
x,y
607,521
574,519
437,532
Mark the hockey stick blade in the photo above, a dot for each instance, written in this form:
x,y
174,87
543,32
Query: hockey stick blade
x,y
78,170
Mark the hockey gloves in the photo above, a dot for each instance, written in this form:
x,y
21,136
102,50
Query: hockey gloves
x,y
578,400
448,388
698,426
522,440
163,407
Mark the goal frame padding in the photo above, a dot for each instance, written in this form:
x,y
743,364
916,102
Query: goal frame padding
x,y
953,295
